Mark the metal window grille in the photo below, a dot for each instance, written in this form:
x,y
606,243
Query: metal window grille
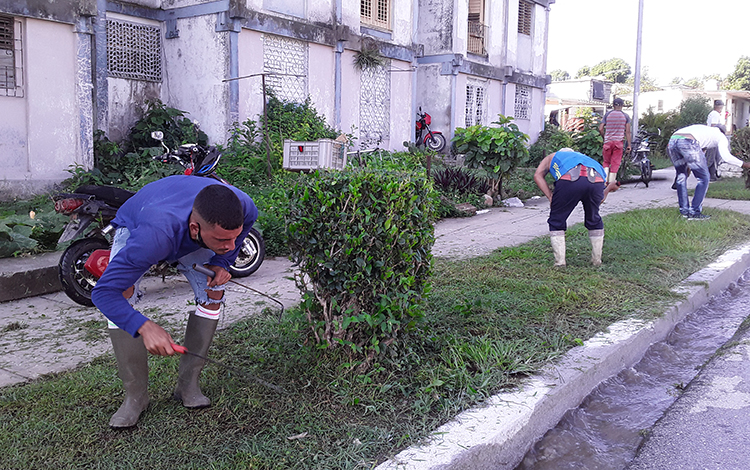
x,y
476,91
525,10
134,51
375,105
523,102
376,13
11,57
286,56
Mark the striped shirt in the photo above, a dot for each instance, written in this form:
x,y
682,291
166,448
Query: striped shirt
x,y
614,125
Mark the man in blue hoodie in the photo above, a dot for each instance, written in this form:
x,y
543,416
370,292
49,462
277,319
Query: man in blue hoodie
x,y
578,178
183,219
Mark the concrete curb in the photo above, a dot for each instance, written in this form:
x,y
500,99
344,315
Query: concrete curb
x,y
499,434
29,276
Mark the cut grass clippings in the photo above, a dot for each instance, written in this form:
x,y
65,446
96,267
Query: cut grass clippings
x,y
489,322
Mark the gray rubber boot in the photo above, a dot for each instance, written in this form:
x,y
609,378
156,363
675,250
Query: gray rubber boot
x,y
557,238
597,243
132,367
198,336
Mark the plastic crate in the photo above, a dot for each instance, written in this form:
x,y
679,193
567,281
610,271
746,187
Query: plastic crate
x,y
323,153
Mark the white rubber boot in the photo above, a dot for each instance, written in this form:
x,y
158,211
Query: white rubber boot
x,y
557,238
597,243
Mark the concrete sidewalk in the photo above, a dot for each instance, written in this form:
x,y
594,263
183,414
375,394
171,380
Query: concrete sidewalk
x,y
49,333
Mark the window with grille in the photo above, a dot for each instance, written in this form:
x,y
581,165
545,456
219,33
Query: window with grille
x,y
374,106
477,28
523,102
288,58
476,93
133,51
525,10
376,13
11,57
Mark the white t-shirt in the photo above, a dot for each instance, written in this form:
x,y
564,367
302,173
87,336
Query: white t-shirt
x,y
711,137
713,118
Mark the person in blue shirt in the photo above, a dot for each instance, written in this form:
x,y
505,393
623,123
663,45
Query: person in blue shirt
x,y
183,219
578,178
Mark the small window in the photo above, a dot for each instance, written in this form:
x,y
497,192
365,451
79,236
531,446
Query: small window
x,y
523,102
10,57
376,13
477,28
525,10
133,51
476,97
660,106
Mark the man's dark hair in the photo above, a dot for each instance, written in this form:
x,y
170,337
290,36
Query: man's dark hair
x,y
218,204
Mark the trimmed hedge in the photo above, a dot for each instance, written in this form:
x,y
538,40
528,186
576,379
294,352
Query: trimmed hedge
x,y
362,240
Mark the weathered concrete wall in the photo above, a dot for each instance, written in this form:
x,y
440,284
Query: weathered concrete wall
x,y
197,62
40,132
320,80
250,62
65,11
435,26
434,96
402,120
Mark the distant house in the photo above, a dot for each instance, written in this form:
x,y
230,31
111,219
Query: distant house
x,y
565,98
736,102
70,67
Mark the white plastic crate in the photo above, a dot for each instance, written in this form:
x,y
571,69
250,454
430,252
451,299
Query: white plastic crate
x,y
324,153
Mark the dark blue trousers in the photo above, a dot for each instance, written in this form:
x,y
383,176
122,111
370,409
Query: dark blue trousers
x,y
567,195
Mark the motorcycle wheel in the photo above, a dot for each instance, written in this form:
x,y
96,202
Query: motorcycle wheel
x,y
76,281
251,255
646,171
436,143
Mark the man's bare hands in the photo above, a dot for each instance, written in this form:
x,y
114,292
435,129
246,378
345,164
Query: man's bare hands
x,y
222,276
156,339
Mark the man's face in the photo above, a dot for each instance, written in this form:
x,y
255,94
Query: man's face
x,y
217,239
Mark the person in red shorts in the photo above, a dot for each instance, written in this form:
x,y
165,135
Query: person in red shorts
x,y
615,128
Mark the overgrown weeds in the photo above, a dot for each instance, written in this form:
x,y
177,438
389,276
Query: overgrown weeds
x,y
489,322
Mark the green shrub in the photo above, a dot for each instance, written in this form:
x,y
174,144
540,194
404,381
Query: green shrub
x,y
551,139
740,146
694,110
588,140
663,124
362,241
497,150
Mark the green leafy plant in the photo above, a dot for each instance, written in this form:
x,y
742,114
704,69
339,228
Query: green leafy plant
x,y
497,150
362,240
694,110
551,139
588,140
177,128
368,57
662,124
740,146
15,235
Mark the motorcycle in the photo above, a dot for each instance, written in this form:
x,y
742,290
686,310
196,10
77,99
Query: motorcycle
x,y
434,140
641,150
91,208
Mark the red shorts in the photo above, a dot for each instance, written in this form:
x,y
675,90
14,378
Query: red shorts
x,y
612,156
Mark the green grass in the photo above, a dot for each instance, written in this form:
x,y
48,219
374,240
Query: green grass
x,y
729,188
490,321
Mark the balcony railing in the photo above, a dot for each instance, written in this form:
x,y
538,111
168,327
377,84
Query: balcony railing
x,y
477,38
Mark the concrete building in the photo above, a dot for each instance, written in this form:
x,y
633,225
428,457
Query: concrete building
x,y
74,66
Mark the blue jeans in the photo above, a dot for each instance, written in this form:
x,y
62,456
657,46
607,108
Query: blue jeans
x,y
687,153
197,281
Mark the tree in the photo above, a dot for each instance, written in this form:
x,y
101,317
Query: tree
x,y
559,75
740,78
615,70
584,71
695,83
647,83
677,81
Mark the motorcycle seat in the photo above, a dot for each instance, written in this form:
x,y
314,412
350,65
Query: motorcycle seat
x,y
112,195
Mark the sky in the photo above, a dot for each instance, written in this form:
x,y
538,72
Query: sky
x,y
681,38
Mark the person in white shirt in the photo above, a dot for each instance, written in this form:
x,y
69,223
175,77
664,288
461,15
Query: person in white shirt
x,y
685,149
715,119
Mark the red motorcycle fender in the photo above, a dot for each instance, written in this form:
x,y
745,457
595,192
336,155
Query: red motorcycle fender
x,y
97,262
